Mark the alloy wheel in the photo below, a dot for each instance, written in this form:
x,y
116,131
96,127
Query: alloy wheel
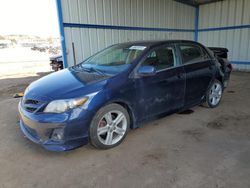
x,y
215,94
112,127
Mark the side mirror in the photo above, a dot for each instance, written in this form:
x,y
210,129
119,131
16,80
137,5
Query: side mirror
x,y
146,70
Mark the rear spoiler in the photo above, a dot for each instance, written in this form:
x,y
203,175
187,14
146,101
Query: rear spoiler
x,y
219,52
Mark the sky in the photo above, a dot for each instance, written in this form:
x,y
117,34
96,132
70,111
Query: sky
x,y
29,17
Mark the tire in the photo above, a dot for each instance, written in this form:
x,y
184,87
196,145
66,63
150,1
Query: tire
x,y
109,126
214,94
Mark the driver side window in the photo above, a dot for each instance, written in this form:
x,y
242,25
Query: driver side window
x,y
161,58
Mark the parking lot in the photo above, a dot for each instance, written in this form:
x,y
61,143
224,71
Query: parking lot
x,y
198,148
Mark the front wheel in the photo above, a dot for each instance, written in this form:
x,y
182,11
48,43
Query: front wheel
x,y
214,94
109,126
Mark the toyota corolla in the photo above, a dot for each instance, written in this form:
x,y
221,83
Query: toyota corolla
x,y
118,89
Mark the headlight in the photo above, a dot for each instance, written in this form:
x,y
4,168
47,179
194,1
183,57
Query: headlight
x,y
59,106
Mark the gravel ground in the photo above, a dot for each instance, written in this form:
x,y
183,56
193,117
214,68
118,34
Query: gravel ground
x,y
205,148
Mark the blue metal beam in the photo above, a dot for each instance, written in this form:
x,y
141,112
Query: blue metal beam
x,y
197,3
62,35
95,26
225,28
196,27
240,62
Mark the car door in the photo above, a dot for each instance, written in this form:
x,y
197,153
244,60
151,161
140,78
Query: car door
x,y
164,91
199,71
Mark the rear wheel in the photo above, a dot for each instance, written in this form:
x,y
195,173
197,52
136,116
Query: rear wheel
x,y
109,126
214,94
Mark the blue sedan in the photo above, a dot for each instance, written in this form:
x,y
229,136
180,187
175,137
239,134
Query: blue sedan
x,y
118,89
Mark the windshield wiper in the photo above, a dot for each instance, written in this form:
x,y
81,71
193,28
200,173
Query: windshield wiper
x,y
92,69
97,70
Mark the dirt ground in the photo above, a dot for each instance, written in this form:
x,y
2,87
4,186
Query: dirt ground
x,y
205,148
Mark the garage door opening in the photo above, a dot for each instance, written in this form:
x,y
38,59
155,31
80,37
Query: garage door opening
x,y
29,36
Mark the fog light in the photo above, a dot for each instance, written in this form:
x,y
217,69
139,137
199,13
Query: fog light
x,y
57,135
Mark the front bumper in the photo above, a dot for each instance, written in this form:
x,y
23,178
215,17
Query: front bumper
x,y
39,128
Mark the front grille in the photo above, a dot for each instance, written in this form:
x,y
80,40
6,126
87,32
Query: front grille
x,y
29,101
30,109
31,105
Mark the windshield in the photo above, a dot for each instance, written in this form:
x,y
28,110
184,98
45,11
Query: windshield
x,y
114,59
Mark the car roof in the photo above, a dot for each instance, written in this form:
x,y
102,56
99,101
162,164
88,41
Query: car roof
x,y
153,43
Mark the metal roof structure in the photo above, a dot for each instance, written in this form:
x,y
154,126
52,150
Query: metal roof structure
x,y
87,27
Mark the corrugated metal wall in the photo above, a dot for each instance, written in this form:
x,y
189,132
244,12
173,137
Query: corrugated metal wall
x,y
132,13
223,15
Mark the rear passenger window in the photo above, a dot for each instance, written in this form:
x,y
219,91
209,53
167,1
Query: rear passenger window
x,y
191,53
161,58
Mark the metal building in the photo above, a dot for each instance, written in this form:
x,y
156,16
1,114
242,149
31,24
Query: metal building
x,y
87,26
227,24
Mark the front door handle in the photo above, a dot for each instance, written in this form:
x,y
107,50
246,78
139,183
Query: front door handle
x,y
180,75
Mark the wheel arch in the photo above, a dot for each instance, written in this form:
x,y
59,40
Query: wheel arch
x,y
129,110
220,78
219,75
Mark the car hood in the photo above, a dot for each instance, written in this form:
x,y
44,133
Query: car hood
x,y
65,84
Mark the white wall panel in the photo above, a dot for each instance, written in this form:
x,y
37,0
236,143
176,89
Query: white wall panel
x,y
223,14
133,13
237,41
141,13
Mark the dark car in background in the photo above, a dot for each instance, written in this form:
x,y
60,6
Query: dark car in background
x,y
56,62
120,88
41,48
